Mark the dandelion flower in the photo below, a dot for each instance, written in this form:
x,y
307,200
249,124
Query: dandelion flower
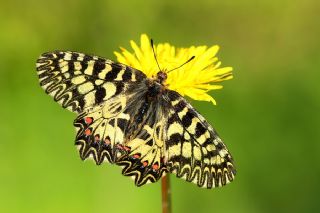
x,y
195,79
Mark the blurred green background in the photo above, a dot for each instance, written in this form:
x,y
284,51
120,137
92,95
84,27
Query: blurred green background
x,y
268,115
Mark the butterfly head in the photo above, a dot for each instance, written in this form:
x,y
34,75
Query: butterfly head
x,y
161,77
162,74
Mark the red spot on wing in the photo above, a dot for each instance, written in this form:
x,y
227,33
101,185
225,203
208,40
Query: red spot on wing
x,y
107,141
145,163
88,120
155,166
136,155
87,132
126,148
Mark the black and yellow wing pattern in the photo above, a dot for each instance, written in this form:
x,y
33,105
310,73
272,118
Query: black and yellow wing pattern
x,y
118,121
194,151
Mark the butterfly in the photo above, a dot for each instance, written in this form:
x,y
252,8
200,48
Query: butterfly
x,y
136,122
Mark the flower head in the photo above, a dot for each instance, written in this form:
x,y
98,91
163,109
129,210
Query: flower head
x,y
194,79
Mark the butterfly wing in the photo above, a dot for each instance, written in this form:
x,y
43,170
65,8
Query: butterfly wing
x,y
194,151
118,124
127,131
113,122
76,80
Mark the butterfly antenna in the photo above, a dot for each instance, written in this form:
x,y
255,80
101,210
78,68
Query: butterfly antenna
x,y
190,59
154,53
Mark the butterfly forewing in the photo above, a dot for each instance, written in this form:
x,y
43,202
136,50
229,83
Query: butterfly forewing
x,y
76,80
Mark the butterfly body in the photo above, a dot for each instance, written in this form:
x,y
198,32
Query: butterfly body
x,y
133,121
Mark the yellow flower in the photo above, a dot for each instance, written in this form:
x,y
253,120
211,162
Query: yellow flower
x,y
194,79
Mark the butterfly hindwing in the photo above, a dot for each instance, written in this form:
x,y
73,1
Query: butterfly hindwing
x,y
118,132
99,132
76,80
194,151
146,159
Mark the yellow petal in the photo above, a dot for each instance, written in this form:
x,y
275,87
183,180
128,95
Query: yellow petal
x,y
137,50
194,79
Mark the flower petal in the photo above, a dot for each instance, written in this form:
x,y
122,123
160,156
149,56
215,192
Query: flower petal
x,y
194,79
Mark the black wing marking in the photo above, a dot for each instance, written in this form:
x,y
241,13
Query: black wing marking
x,y
76,80
127,131
194,151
